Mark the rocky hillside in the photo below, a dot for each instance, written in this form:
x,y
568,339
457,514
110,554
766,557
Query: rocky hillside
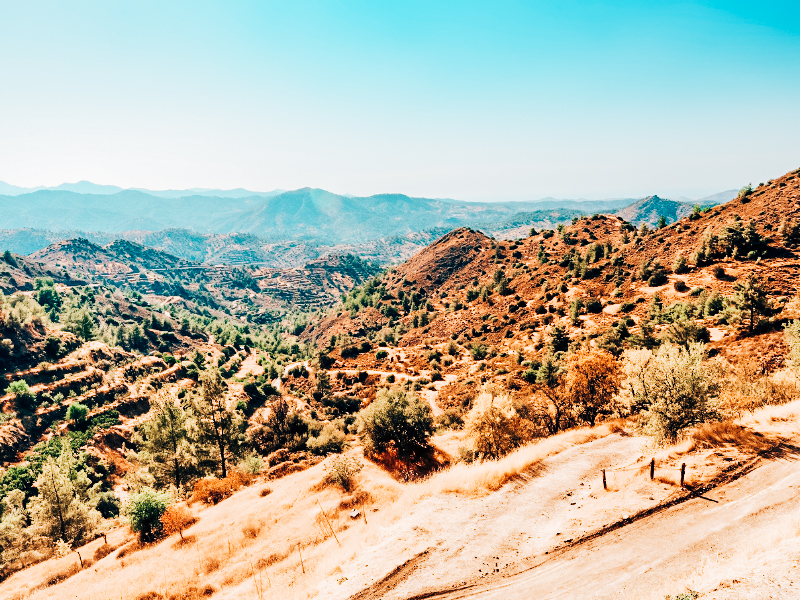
x,y
649,210
598,281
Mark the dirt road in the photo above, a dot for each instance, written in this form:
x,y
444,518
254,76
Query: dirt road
x,y
719,541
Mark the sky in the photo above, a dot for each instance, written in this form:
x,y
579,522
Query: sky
x,y
500,100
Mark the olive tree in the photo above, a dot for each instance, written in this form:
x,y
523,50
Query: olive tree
x,y
397,420
673,388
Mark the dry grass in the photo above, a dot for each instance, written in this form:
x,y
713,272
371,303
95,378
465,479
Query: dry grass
x,y
250,545
491,475
728,433
103,551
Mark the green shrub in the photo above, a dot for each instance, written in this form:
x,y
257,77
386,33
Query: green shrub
x,y
26,399
108,505
144,510
342,471
381,354
452,418
331,440
397,420
77,412
478,351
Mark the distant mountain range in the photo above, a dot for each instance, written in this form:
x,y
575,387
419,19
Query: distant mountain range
x,y
240,225
87,187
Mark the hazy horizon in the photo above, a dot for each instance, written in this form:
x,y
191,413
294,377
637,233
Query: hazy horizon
x,y
504,101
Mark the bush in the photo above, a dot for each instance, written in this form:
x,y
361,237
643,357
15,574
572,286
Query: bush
x,y
211,490
342,471
26,399
593,305
478,351
77,412
718,271
144,511
331,440
381,354
175,519
450,419
108,505
494,425
397,420
672,388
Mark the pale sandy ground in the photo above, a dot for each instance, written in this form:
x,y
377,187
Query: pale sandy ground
x,y
738,541
463,539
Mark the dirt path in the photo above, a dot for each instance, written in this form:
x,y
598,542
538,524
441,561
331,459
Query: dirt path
x,y
715,541
467,538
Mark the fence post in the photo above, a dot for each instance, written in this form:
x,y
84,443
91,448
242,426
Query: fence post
x,y
652,468
605,487
683,473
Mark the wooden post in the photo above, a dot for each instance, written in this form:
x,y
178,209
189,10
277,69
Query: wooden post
x,y
683,473
301,560
652,468
79,558
605,487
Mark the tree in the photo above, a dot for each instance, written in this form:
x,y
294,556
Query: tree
x,y
283,428
550,387
165,445
81,323
751,298
62,509
218,426
662,222
144,510
592,380
322,387
672,388
494,424
46,295
9,259
559,340
397,420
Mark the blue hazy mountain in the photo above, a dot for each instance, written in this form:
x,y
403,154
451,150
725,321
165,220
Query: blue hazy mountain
x,y
87,187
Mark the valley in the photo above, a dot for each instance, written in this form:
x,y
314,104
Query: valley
x,y
519,378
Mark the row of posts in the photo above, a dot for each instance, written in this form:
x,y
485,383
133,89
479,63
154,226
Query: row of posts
x,y
652,473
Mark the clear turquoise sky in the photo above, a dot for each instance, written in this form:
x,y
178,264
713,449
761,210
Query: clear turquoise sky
x,y
473,100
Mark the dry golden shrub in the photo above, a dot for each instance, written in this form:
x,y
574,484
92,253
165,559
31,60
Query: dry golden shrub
x,y
359,498
211,490
211,564
251,530
177,518
66,573
748,388
103,551
130,548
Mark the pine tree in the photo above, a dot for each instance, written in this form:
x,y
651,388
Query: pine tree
x,y
62,509
751,298
218,426
165,443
